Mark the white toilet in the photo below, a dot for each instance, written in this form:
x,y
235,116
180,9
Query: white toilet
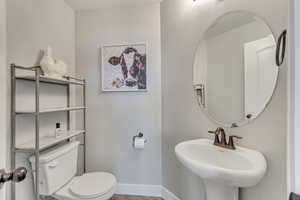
x,y
57,176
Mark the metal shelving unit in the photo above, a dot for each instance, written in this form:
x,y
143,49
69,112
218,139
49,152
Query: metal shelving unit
x,y
39,144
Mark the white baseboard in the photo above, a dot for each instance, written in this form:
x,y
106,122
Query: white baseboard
x,y
140,190
167,195
146,190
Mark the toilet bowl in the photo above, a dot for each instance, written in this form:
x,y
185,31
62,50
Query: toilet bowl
x,y
58,168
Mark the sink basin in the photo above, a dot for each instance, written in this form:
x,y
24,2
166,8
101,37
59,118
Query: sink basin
x,y
223,170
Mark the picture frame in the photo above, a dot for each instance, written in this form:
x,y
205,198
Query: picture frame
x,y
124,68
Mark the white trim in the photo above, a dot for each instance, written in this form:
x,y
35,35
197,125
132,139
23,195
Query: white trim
x,y
291,101
3,95
140,190
146,190
167,195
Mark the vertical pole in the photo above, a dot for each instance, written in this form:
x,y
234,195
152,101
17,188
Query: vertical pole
x,y
84,126
68,105
13,126
37,130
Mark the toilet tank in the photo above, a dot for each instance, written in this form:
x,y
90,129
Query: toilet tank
x,y
57,167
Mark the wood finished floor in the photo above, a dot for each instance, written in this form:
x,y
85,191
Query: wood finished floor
x,y
125,197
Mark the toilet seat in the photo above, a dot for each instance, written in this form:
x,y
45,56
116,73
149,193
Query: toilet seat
x,y
92,185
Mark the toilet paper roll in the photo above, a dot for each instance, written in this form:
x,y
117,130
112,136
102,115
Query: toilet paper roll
x,y
139,143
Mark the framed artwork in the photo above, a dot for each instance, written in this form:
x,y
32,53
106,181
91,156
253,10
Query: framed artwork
x,y
124,67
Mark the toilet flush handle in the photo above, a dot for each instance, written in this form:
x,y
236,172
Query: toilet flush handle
x,y
53,164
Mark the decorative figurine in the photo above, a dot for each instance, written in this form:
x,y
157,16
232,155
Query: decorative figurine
x,y
51,67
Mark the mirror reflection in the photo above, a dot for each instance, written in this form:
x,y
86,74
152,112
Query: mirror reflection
x,y
235,72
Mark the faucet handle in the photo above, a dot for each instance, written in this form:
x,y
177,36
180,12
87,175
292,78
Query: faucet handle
x,y
231,142
216,133
236,136
213,132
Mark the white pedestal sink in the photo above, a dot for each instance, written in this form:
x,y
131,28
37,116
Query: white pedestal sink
x,y
223,170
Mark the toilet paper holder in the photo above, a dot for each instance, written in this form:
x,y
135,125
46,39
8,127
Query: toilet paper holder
x,y
140,135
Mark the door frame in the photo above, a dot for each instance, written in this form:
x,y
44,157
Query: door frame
x,y
3,95
293,95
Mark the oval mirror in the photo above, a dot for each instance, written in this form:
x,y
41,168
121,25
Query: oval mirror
x,y
235,73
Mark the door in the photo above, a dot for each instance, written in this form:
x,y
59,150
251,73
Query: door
x,y
3,93
3,131
260,74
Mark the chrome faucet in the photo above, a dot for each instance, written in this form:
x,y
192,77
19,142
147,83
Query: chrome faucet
x,y
220,132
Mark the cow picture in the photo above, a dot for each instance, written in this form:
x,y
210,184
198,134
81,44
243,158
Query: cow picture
x,y
124,68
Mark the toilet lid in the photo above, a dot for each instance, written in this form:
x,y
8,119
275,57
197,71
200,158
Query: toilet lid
x,y
92,185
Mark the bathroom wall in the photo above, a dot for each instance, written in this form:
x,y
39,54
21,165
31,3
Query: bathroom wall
x,y
113,118
32,26
3,94
183,23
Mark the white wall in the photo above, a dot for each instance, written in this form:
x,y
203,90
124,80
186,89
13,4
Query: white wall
x,y
183,23
3,89
115,117
32,26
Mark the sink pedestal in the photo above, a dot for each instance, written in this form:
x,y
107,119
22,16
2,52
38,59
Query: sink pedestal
x,y
217,191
